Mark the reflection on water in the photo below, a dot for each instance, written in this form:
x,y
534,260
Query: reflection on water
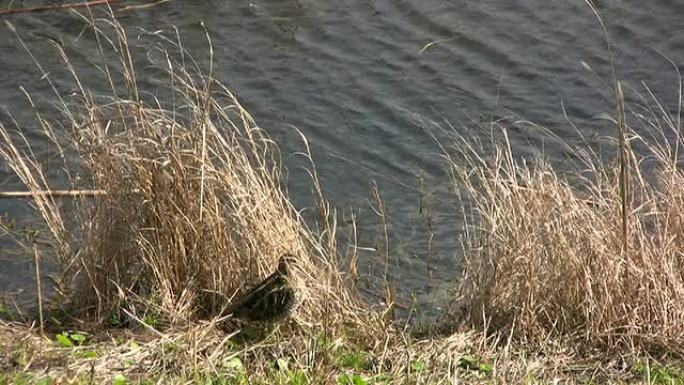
x,y
356,77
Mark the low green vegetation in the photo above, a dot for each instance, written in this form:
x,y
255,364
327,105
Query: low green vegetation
x,y
660,374
474,364
356,360
70,339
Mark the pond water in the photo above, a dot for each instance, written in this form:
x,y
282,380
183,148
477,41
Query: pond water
x,y
357,77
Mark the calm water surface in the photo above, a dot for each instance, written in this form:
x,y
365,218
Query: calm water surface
x,y
357,76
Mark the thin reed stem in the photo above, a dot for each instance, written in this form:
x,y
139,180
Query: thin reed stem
x,y
624,163
39,290
51,193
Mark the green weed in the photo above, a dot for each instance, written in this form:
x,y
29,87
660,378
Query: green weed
x,y
352,379
355,360
70,339
669,374
120,379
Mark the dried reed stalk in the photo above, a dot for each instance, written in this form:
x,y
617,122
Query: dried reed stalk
x,y
51,193
39,291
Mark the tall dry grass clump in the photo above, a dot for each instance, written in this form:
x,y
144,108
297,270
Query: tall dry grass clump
x,y
192,209
593,256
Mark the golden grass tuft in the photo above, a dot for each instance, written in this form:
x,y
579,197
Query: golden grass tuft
x,y
548,258
195,211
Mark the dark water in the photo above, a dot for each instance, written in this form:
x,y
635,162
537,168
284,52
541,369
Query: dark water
x,y
357,76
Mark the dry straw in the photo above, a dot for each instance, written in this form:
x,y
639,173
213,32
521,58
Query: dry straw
x,y
594,257
192,212
195,209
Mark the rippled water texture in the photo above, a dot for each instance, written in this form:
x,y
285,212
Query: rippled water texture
x,y
356,77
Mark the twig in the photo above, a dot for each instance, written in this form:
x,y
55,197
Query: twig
x,y
36,257
624,166
141,6
57,6
51,193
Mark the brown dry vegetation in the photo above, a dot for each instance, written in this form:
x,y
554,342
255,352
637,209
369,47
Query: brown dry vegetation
x,y
195,212
194,206
556,257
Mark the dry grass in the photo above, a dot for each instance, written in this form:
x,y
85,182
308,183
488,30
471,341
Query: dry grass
x,y
594,257
195,212
194,209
